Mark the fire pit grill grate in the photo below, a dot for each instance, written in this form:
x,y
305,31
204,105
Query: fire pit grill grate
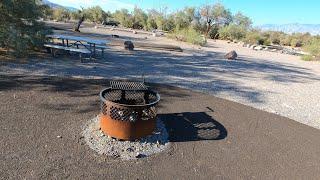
x,y
130,106
124,85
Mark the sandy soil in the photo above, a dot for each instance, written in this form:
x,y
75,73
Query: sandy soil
x,y
278,83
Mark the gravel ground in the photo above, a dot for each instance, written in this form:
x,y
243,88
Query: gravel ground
x,y
125,150
277,83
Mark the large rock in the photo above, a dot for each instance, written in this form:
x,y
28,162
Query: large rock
x,y
128,45
231,55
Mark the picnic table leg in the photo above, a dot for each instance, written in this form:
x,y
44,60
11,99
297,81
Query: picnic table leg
x,y
80,55
52,53
94,49
67,43
63,42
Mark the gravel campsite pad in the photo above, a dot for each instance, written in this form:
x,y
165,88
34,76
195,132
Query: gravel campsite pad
x,y
125,150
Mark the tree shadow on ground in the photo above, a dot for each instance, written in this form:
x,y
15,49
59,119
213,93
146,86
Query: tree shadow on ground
x,y
196,70
193,126
74,88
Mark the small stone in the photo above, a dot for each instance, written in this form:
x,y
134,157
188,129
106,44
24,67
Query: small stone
x,y
232,55
258,48
128,45
130,149
139,155
115,36
116,155
59,136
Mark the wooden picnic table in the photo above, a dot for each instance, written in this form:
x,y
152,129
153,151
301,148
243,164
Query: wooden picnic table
x,y
79,40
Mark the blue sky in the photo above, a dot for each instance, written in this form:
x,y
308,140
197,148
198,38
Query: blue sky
x,y
260,11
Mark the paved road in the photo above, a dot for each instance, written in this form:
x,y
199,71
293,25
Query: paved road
x,y
212,138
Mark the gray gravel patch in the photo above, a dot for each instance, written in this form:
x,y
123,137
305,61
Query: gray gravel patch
x,y
125,150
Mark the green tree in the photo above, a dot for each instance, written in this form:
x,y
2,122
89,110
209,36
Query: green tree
x,y
95,14
46,11
20,30
216,15
139,19
61,14
169,24
221,15
76,15
242,20
123,17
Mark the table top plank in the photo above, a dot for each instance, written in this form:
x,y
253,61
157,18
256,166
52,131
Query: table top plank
x,y
68,48
78,38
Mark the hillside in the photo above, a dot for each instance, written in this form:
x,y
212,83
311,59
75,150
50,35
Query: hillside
x,y
54,5
313,29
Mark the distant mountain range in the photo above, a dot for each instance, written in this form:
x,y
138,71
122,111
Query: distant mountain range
x,y
313,29
54,5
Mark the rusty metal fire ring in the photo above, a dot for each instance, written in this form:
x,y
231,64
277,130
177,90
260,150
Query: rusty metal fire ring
x,y
128,114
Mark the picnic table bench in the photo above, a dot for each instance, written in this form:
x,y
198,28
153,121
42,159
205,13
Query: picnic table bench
x,y
89,44
53,48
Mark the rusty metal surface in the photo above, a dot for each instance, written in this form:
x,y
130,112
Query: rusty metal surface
x,y
126,130
128,114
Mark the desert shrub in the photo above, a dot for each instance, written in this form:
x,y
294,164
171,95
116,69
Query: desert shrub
x,y
285,40
313,48
214,32
256,37
151,24
307,58
20,30
232,32
169,24
252,37
295,42
299,39
275,37
188,35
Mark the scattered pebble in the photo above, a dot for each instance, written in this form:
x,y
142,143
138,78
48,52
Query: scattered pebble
x,y
125,150
59,136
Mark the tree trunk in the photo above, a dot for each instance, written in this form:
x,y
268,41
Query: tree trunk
x,y
77,26
208,27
